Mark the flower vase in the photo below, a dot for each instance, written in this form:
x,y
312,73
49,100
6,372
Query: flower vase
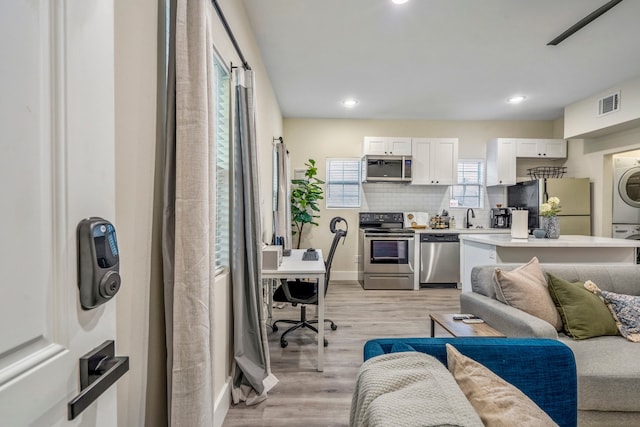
x,y
551,226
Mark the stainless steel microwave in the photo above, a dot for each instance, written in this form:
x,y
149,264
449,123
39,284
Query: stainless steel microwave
x,y
387,168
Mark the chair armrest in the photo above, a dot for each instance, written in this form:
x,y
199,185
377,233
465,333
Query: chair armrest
x,y
507,319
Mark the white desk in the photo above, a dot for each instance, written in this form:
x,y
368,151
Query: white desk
x,y
294,267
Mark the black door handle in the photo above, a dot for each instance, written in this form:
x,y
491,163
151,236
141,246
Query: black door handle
x,y
99,369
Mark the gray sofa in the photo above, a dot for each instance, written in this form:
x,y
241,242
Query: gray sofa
x,y
608,367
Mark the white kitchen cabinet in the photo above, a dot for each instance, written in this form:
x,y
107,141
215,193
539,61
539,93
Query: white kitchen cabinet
x,y
541,148
434,161
386,146
501,161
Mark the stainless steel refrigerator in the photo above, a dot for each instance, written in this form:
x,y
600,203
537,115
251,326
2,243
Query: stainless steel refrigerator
x,y
575,201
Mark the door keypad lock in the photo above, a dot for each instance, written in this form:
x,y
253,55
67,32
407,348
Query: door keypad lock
x,y
98,262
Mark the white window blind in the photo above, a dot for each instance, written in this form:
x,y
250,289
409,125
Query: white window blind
x,y
222,149
343,183
469,191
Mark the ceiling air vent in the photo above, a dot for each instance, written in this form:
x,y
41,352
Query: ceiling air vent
x,y
609,104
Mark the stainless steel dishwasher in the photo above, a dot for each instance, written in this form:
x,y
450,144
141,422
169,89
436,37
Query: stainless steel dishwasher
x,y
439,259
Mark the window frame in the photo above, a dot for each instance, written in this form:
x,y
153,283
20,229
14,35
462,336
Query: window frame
x,y
332,202
462,187
222,167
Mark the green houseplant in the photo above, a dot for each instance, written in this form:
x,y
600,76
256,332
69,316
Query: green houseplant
x,y
305,194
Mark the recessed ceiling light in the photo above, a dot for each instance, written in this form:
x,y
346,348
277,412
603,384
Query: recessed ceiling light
x,y
350,103
399,1
516,99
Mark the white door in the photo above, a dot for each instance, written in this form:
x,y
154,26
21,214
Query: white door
x,y
56,168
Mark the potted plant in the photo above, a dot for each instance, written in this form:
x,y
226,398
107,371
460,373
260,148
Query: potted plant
x,y
550,223
305,194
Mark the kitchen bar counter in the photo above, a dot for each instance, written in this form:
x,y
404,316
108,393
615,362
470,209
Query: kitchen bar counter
x,y
461,231
482,249
503,240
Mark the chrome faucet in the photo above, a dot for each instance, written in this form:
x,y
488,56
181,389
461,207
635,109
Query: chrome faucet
x,y
473,215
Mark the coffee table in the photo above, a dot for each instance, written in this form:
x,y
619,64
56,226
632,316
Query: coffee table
x,y
458,328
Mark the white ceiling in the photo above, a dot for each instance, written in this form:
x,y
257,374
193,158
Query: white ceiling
x,y
441,59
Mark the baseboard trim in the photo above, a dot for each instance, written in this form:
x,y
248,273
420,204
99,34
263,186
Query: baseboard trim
x,y
344,275
222,404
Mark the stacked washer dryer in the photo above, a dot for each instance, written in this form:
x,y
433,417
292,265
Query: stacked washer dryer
x,y
626,199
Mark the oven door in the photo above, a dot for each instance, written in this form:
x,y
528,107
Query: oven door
x,y
388,254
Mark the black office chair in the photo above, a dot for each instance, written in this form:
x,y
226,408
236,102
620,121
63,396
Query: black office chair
x,y
303,293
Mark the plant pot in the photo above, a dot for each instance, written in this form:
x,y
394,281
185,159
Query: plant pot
x,y
551,226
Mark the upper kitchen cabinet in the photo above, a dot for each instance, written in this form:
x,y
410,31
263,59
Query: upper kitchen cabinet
x,y
434,161
541,148
386,146
501,161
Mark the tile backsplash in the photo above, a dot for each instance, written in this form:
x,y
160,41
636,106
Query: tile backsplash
x,y
398,197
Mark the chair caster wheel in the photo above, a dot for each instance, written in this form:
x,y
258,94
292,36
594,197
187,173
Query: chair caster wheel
x,y
326,343
283,343
334,327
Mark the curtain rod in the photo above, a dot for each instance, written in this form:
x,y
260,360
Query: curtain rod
x,y
225,24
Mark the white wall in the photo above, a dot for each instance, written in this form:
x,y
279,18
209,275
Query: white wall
x,y
136,35
139,44
593,158
322,138
582,121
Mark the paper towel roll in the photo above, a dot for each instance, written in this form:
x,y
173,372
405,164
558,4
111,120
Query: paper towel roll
x,y
520,224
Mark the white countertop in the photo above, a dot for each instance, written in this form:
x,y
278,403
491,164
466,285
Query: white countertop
x,y
462,231
569,241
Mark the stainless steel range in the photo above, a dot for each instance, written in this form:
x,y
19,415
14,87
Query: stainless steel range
x,y
386,251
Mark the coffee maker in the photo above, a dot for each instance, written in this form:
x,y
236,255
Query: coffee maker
x,y
500,218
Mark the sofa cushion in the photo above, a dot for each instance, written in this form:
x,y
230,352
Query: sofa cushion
x,y
622,279
608,373
496,401
624,308
584,315
526,289
408,389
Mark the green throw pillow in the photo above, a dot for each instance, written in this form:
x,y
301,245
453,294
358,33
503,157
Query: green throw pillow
x,y
584,315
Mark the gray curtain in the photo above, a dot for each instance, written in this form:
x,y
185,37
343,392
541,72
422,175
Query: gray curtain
x,y
252,378
282,211
189,216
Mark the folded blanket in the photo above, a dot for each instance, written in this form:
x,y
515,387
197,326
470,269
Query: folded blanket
x,y
409,389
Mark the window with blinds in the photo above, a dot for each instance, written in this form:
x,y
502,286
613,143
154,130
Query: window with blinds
x,y
342,187
222,149
469,191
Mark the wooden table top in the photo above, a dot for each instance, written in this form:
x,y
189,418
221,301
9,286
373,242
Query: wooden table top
x,y
458,328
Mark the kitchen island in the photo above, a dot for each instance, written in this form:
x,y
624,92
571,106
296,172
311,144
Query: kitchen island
x,y
483,249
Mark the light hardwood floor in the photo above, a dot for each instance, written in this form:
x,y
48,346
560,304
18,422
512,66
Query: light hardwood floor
x,y
305,397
